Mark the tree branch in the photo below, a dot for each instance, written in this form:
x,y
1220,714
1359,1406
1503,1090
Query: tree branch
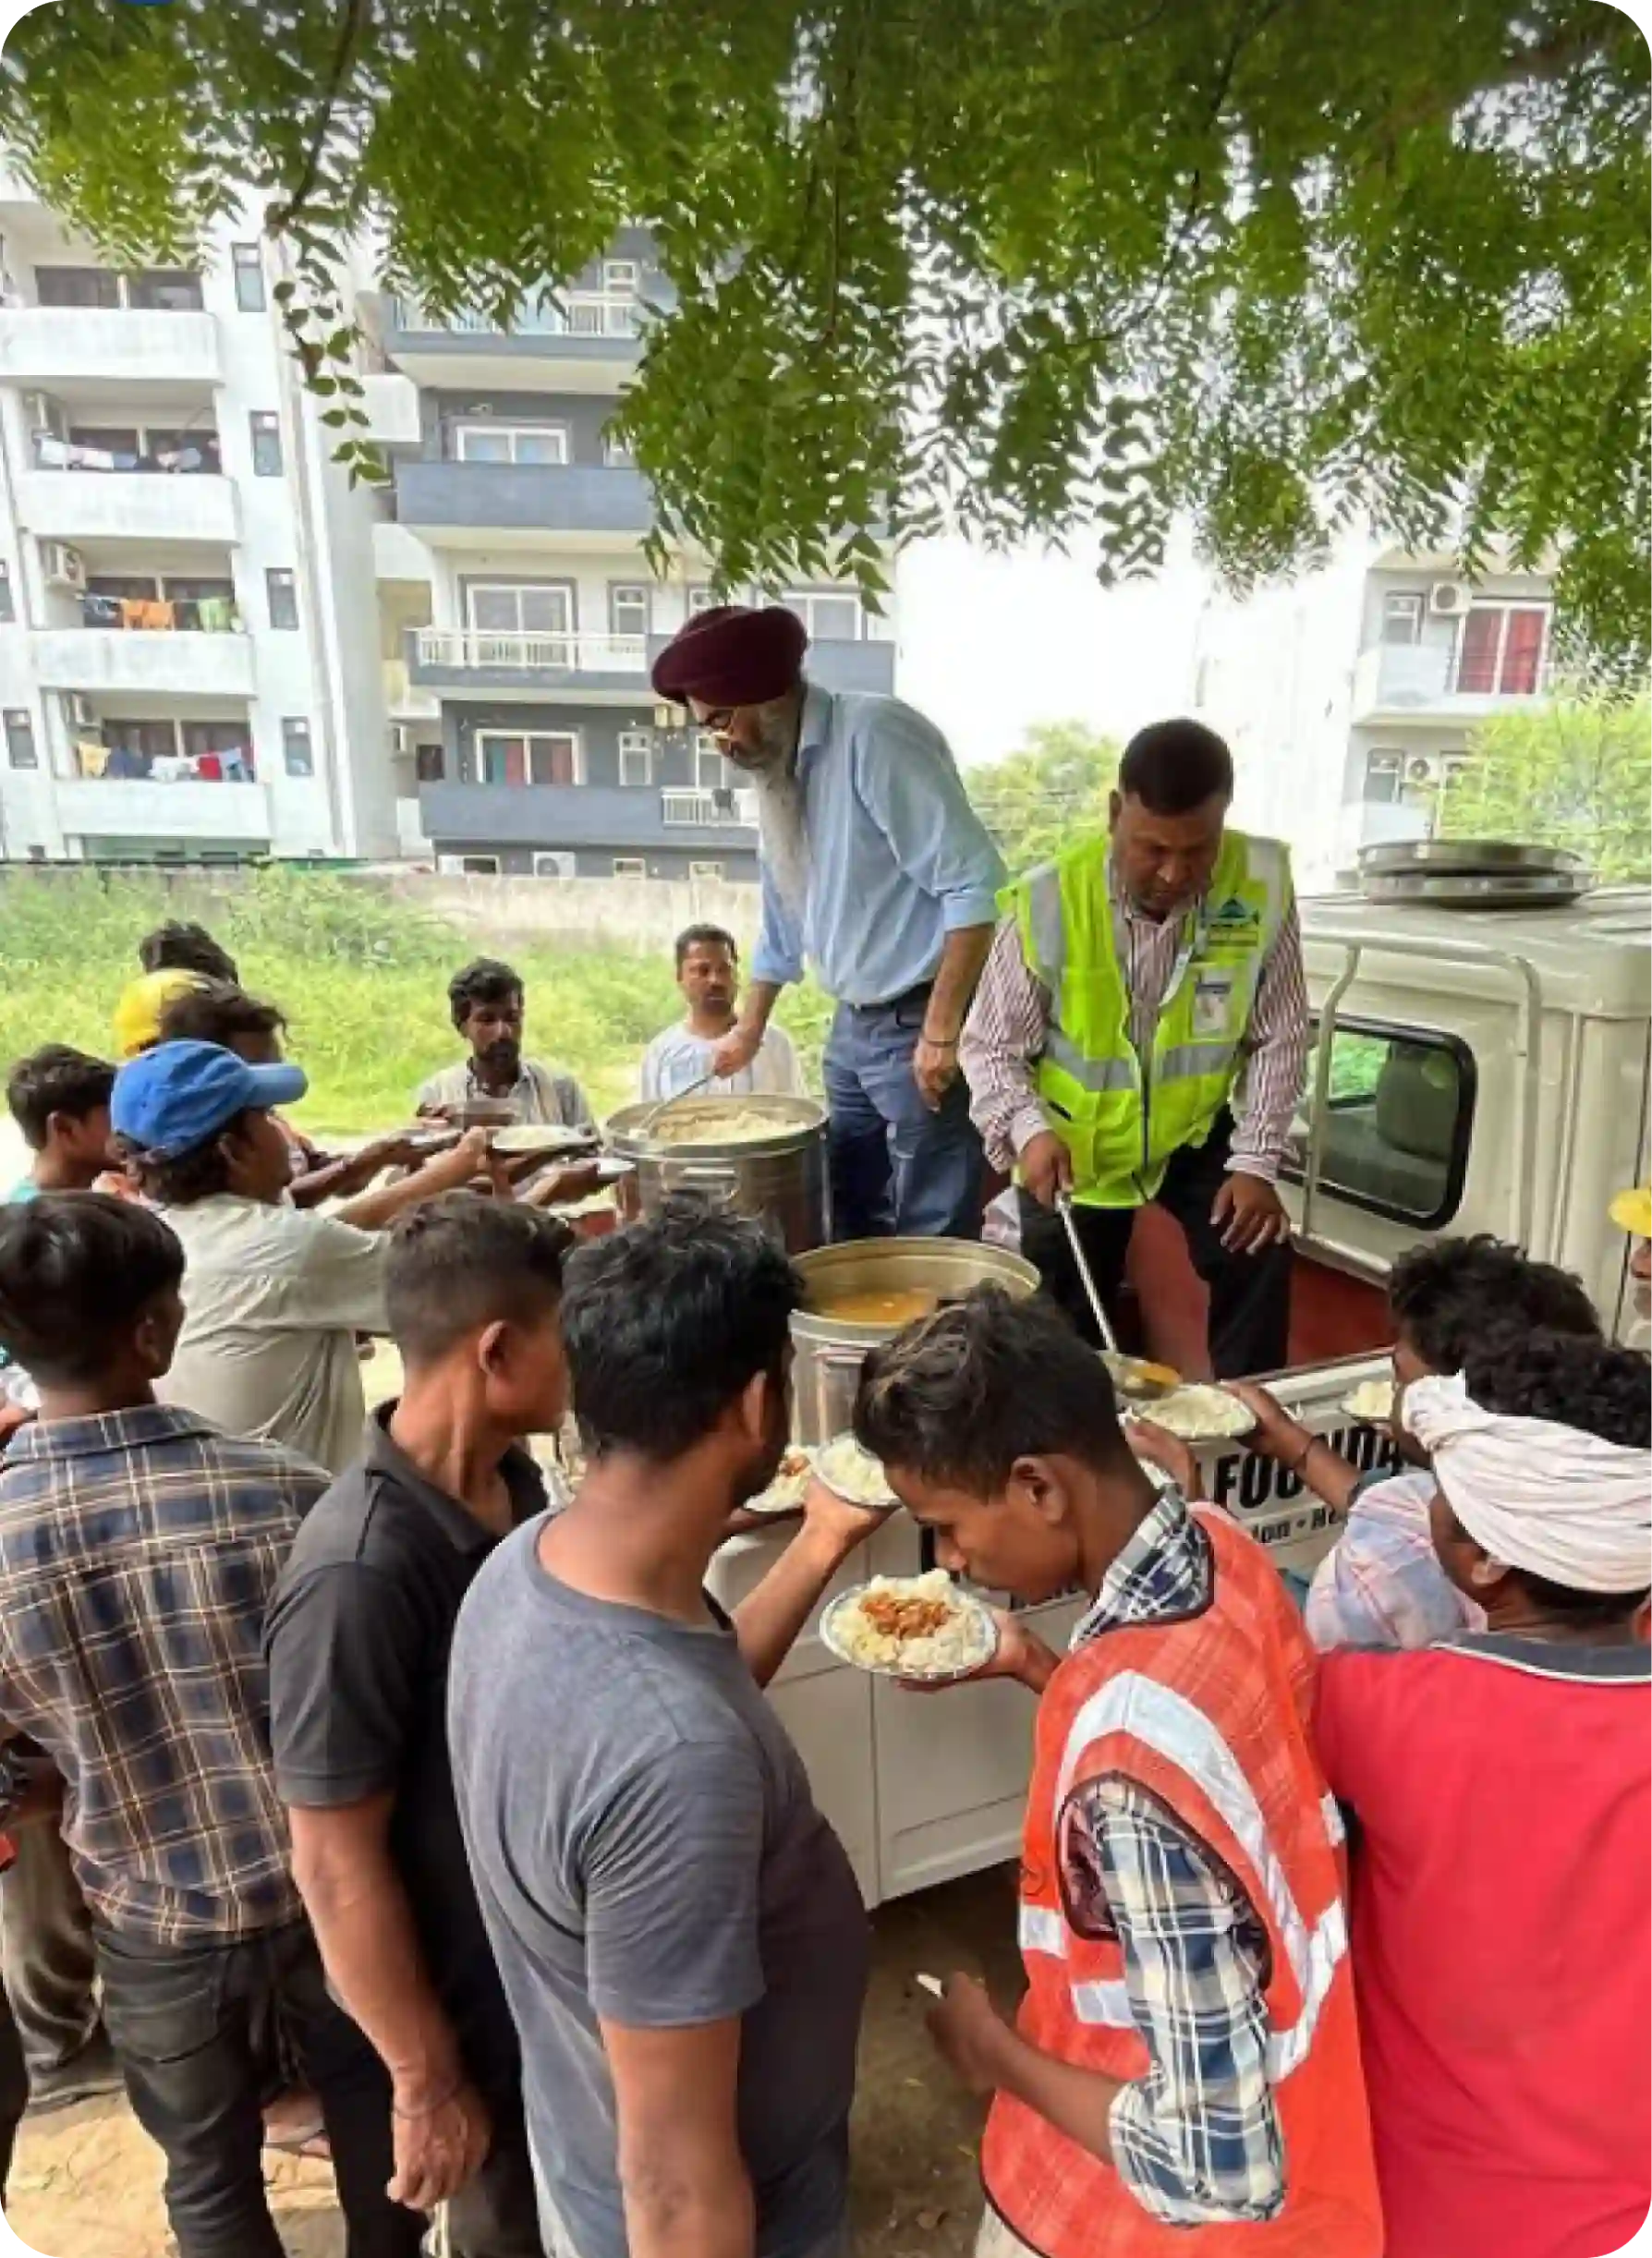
x,y
351,26
1531,65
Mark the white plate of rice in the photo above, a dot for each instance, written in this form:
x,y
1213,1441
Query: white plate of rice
x,y
1372,1401
853,1473
1201,1414
790,1487
548,1138
918,1627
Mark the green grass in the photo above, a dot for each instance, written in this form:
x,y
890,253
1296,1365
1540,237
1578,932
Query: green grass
x,y
361,977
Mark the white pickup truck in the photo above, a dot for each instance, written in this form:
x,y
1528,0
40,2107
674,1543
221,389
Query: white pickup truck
x,y
1475,1071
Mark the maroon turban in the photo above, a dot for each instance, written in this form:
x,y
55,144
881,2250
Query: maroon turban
x,y
733,656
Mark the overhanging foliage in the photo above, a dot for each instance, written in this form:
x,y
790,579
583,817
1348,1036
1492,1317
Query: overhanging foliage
x,y
1052,268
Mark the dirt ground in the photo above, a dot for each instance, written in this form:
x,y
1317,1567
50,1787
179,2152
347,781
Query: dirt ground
x,y
87,2182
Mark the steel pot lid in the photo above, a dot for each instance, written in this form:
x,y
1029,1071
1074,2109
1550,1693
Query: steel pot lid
x,y
795,1121
1395,857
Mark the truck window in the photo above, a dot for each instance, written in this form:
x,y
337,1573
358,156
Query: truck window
x,y
1399,1112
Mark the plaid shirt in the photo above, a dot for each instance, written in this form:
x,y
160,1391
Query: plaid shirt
x,y
1381,1584
1197,2138
137,1554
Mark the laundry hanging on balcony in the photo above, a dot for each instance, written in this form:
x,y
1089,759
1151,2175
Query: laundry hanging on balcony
x,y
91,756
147,616
101,611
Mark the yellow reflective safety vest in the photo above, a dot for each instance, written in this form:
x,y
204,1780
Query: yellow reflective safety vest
x,y
1119,1114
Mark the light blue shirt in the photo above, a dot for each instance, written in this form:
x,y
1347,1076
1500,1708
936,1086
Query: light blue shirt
x,y
898,858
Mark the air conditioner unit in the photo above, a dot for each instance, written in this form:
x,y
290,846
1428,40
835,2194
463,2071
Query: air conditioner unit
x,y
82,712
61,566
1449,599
42,413
1421,769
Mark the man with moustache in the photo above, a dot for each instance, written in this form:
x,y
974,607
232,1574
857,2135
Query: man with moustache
x,y
680,1056
488,1003
874,867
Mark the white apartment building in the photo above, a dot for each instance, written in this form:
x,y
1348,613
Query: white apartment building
x,y
1350,696
188,647
519,615
212,647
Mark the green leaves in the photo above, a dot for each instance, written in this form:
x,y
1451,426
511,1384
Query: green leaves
x,y
1026,268
1045,798
1576,772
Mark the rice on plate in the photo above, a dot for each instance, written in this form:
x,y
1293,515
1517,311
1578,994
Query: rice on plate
x,y
853,1473
910,1627
790,1487
1200,1413
1372,1401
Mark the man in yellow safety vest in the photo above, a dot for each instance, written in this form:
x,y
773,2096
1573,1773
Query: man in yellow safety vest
x,y
1139,1034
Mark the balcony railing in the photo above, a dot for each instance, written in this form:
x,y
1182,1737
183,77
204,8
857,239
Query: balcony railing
x,y
577,313
1433,679
709,807
568,654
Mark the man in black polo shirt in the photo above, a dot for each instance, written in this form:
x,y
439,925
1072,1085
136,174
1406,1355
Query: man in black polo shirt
x,y
357,1638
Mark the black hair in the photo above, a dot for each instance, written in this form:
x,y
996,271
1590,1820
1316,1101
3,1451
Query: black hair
x,y
958,1397
1443,1296
77,1271
1593,1385
706,936
486,980
55,1080
219,1012
179,946
667,1322
461,1262
1173,767
185,1178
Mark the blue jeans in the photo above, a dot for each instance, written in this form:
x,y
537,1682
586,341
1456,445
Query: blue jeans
x,y
895,1166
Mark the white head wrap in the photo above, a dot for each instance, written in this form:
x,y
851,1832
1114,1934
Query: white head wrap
x,y
1548,1499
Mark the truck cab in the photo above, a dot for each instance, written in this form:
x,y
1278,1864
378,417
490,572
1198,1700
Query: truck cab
x,y
1473,1070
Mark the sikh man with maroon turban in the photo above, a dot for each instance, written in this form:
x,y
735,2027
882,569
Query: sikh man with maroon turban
x,y
876,869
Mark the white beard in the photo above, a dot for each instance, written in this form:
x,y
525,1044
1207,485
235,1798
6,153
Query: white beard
x,y
783,833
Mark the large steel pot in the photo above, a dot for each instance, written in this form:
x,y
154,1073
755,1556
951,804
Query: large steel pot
x,y
779,1178
829,1352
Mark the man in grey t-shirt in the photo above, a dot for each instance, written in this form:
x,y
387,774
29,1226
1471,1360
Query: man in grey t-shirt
x,y
679,1934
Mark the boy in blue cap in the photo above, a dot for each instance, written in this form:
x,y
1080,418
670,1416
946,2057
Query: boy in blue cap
x,y
276,1294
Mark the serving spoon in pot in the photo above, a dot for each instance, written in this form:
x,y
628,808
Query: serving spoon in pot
x,y
1133,1376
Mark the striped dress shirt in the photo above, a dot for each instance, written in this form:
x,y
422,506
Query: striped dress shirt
x,y
1007,1024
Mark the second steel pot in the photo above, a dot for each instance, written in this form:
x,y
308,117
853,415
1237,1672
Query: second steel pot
x,y
780,1177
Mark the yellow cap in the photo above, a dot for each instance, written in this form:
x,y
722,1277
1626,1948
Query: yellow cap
x,y
1632,1211
139,1014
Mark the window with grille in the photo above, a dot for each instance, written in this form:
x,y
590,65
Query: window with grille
x,y
636,757
247,259
297,752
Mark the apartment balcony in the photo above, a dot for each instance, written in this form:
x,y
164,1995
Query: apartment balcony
x,y
99,658
469,660
835,662
709,811
138,808
518,504
582,816
588,341
51,344
391,405
1424,683
99,505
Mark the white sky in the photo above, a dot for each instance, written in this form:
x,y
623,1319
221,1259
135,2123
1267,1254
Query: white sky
x,y
989,645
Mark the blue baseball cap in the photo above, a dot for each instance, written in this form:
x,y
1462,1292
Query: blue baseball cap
x,y
180,1095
